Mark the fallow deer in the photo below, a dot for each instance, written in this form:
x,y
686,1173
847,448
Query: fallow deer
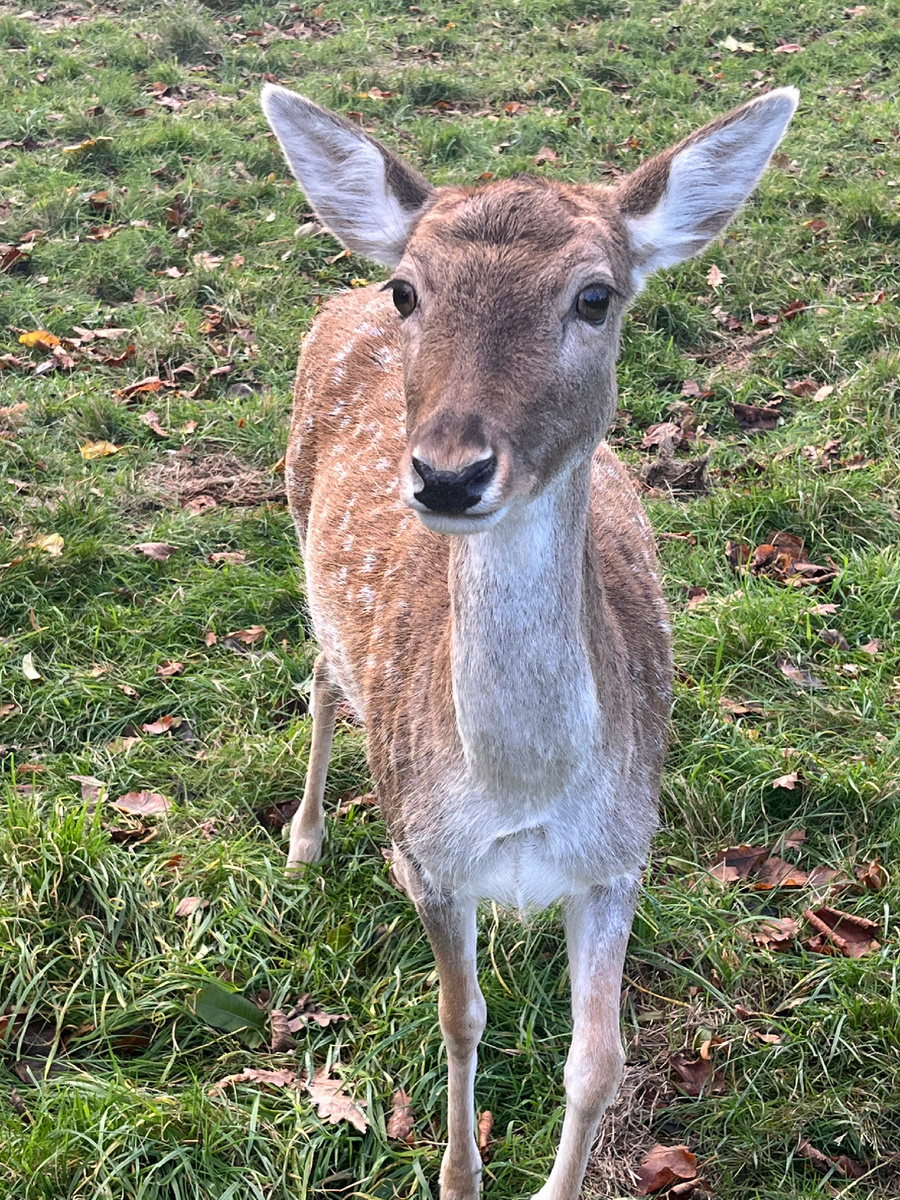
x,y
481,577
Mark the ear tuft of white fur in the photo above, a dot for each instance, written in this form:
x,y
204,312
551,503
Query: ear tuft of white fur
x,y
710,176
367,197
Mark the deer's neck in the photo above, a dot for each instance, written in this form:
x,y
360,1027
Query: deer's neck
x,y
525,697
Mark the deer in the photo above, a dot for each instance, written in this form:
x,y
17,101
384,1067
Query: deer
x,y
480,574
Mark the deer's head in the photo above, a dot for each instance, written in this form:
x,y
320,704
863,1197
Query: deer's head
x,y
510,296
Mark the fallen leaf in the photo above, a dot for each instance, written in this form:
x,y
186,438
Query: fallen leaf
x,y
151,420
823,610
802,387
841,933
39,337
793,840
152,383
158,551
666,431
694,1077
98,450
737,862
775,933
165,669
546,154
228,556
800,678
789,782
741,708
50,543
787,48
714,276
755,418
775,872
210,638
834,637
400,1122
873,647
307,1010
485,1125
873,877
845,1166
85,145
200,503
232,1012
163,725
250,636
665,1165
737,553
696,596
189,905
276,1078
280,1040
143,804
332,1102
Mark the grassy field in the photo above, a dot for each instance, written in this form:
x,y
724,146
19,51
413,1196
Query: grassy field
x,y
147,223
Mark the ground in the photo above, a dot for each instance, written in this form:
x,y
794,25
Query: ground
x,y
149,228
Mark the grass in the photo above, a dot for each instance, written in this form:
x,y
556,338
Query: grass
x,y
105,1074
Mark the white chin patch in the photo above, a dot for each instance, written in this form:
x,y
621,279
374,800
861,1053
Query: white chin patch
x,y
462,524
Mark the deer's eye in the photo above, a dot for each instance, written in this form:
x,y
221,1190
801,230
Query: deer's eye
x,y
593,303
405,298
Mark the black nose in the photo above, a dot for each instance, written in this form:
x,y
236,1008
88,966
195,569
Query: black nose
x,y
454,491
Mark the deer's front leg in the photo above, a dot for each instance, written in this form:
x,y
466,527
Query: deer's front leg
x,y
597,928
450,925
308,825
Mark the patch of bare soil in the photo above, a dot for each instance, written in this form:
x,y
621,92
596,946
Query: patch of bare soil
x,y
198,481
632,1123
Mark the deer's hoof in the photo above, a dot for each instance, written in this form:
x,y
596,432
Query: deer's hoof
x,y
303,851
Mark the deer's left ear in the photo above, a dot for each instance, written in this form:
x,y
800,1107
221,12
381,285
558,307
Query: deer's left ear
x,y
676,203
368,197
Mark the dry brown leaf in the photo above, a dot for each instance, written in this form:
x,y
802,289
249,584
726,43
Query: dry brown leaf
x,y
210,638
249,636
485,1125
738,862
845,1166
163,725
665,1165
277,1078
754,418
834,637
789,782
696,596
306,1010
800,678
740,708
165,669
694,1077
158,551
775,872
189,905
873,877
400,1122
332,1102
228,556
546,154
143,804
873,647
151,420
775,933
841,933
714,276
280,1041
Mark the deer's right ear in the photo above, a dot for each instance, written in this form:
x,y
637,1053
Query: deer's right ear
x,y
367,196
675,203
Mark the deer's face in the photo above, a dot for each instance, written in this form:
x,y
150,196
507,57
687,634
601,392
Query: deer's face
x,y
511,296
510,299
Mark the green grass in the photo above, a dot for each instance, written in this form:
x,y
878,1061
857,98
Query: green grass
x,y
92,957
